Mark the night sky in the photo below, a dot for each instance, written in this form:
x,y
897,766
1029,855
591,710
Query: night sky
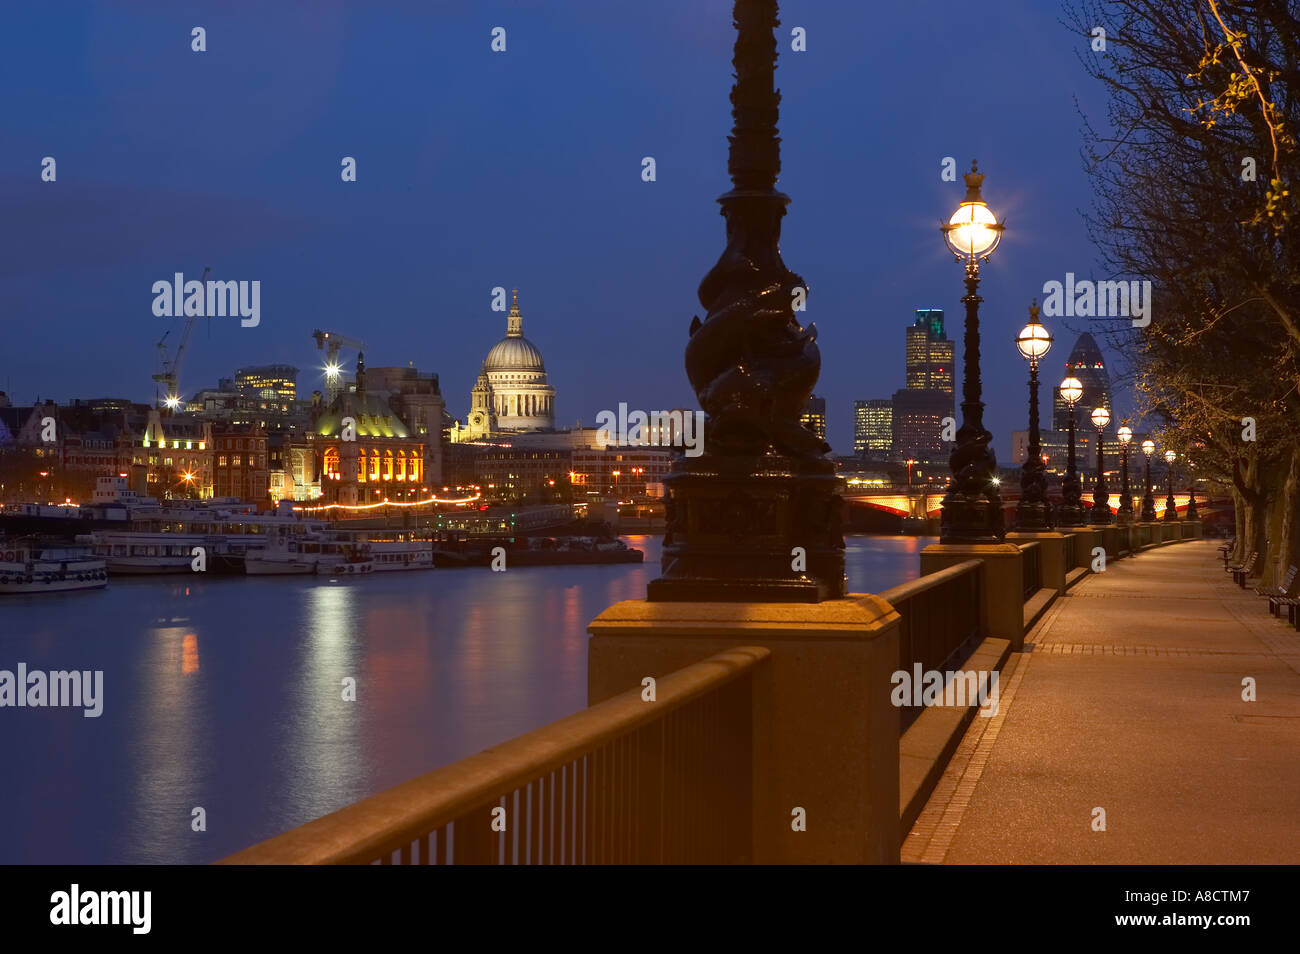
x,y
519,169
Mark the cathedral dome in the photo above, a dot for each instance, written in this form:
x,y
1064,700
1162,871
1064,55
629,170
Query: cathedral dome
x,y
514,353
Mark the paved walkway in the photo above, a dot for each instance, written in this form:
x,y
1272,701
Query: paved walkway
x,y
1129,698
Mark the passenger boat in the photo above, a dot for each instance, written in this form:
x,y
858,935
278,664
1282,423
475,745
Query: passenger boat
x,y
401,555
27,566
163,539
289,554
392,549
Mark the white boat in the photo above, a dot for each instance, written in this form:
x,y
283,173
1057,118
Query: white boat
x,y
289,554
392,555
127,552
27,567
162,539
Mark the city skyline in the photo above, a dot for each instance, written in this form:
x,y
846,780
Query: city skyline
x,y
422,257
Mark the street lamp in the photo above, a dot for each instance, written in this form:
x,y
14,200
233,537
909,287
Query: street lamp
x,y
1033,512
764,484
1148,498
1102,515
1071,512
1171,505
1124,515
972,509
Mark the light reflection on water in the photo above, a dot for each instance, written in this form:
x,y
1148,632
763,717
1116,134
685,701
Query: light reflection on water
x,y
227,694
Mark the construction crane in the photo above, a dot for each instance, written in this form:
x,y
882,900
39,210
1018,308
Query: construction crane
x,y
171,366
331,342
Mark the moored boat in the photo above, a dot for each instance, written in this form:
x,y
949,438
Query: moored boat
x,y
27,566
287,554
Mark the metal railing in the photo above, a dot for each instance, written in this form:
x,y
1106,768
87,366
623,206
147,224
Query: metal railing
x,y
1071,562
1031,569
624,781
940,614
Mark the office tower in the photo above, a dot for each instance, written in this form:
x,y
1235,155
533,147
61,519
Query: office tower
x,y
930,356
919,409
813,416
918,424
272,387
1085,363
873,428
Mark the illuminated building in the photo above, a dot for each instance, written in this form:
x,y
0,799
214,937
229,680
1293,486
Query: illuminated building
x,y
919,409
241,469
918,418
272,388
930,356
621,472
1054,445
520,476
1085,363
361,450
813,416
511,393
873,428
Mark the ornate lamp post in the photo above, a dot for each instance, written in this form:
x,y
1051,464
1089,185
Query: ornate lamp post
x,y
764,485
1071,513
1102,515
1124,515
1033,512
1192,513
972,509
1171,505
1148,498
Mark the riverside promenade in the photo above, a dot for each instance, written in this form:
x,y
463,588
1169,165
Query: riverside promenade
x,y
1128,698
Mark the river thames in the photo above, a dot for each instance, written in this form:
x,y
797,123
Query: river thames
x,y
226,694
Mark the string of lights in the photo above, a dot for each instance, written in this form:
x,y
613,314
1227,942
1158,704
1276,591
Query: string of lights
x,y
390,503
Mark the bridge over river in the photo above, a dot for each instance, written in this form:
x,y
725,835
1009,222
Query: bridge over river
x,y
884,509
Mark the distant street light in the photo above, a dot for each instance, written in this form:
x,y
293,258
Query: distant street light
x,y
1102,515
1071,512
1171,505
1124,516
1033,512
1148,498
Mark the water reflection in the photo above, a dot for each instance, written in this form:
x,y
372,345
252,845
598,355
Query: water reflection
x,y
168,767
446,662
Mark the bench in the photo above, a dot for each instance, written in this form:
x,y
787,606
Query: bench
x,y
1225,552
1240,571
1281,595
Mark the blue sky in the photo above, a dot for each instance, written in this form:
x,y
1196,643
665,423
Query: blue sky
x,y
519,169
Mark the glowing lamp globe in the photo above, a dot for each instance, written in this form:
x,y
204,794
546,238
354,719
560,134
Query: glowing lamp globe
x,y
1170,457
1125,434
1034,341
1071,390
973,231
1100,417
1148,447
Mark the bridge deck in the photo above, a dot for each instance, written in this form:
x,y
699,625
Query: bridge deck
x,y
1130,699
